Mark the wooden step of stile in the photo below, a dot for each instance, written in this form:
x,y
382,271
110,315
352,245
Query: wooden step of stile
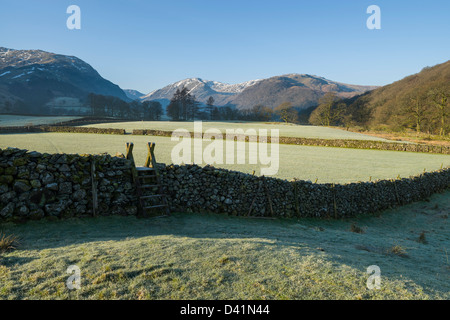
x,y
156,206
153,196
144,173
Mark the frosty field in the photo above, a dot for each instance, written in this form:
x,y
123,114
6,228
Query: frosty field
x,y
303,162
199,256
286,130
19,121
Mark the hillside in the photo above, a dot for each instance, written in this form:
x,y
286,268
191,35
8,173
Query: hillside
x,y
36,81
406,102
302,91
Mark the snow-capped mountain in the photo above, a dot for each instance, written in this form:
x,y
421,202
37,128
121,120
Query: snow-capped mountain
x,y
23,58
222,93
302,90
36,80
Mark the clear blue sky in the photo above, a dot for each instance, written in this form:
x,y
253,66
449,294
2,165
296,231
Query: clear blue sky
x,y
145,45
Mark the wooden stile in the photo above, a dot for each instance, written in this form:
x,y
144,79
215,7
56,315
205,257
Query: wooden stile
x,y
148,179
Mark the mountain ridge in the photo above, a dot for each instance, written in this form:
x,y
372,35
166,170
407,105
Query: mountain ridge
x,y
38,81
202,89
133,94
302,90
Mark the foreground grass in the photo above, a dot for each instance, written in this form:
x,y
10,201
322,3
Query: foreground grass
x,y
193,256
333,165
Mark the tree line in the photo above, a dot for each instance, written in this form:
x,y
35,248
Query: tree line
x,y
109,106
424,110
184,107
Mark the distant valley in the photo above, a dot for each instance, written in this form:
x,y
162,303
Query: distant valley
x,y
39,82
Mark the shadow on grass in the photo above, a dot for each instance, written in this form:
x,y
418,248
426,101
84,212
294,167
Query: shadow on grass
x,y
46,234
13,261
330,239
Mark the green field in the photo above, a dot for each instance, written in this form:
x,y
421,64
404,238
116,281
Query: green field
x,y
19,121
193,256
201,256
337,165
285,130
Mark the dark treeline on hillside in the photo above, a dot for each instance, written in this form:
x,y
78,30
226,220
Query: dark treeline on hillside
x,y
420,102
423,111
182,107
108,106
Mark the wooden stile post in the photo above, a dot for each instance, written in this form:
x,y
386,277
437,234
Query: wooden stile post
x,y
129,153
134,173
129,156
150,162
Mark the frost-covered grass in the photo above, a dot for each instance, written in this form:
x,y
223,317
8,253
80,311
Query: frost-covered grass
x,y
337,165
286,130
193,256
19,121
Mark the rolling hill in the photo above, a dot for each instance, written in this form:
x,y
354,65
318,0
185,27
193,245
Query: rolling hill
x,y
36,81
395,105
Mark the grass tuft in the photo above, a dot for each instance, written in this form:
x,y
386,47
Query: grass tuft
x,y
8,242
398,250
224,260
422,238
354,228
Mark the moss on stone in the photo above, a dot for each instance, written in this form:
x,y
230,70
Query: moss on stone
x,y
20,161
6,179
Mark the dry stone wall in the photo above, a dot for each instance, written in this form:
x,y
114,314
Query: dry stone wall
x,y
337,143
208,189
64,129
35,185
